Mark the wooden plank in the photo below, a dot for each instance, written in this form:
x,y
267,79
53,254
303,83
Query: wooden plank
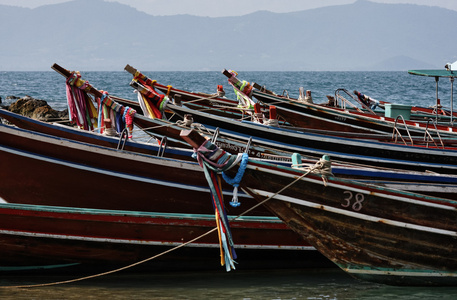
x,y
193,138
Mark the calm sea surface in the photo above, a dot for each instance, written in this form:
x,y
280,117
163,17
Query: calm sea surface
x,y
324,284
398,87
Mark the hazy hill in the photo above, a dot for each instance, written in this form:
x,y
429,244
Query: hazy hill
x,y
97,35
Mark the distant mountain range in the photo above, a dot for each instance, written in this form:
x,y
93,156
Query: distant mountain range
x,y
97,35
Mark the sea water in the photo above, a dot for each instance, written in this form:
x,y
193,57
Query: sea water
x,y
327,284
310,284
395,87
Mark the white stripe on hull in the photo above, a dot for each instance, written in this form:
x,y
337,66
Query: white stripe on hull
x,y
411,273
145,242
356,215
355,189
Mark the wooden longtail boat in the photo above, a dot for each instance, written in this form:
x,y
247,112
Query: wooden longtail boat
x,y
115,142
418,113
431,183
229,108
412,157
52,170
331,117
213,104
441,185
39,169
216,102
287,119
309,115
426,183
425,156
48,170
309,118
372,233
39,237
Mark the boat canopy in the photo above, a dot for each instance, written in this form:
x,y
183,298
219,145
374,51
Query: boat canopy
x,y
447,73
434,73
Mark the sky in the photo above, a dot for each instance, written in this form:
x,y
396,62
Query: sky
x,y
223,8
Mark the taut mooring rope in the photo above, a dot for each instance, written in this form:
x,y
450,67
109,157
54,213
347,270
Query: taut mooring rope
x,y
112,271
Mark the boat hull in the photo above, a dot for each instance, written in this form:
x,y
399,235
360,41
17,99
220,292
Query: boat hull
x,y
39,169
390,155
431,184
372,233
35,235
333,118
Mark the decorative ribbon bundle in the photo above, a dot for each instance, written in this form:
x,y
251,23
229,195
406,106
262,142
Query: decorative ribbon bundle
x,y
213,161
82,110
80,107
121,116
152,103
242,90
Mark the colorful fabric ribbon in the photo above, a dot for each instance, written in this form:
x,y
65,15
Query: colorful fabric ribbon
x,y
81,110
152,103
213,161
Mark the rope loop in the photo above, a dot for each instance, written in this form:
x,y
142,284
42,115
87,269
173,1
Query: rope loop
x,y
168,90
235,181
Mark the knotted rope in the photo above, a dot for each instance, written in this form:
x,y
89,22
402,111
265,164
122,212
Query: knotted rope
x,y
323,166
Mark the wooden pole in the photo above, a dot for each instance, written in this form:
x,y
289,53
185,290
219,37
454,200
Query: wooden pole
x,y
66,73
192,137
262,89
130,69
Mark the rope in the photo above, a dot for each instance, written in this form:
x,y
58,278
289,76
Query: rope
x,y
203,98
110,132
235,182
323,166
154,127
274,195
271,122
112,271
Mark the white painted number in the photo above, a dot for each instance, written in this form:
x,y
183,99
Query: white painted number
x,y
348,199
357,205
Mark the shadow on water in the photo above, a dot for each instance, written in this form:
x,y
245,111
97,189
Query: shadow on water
x,y
328,283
